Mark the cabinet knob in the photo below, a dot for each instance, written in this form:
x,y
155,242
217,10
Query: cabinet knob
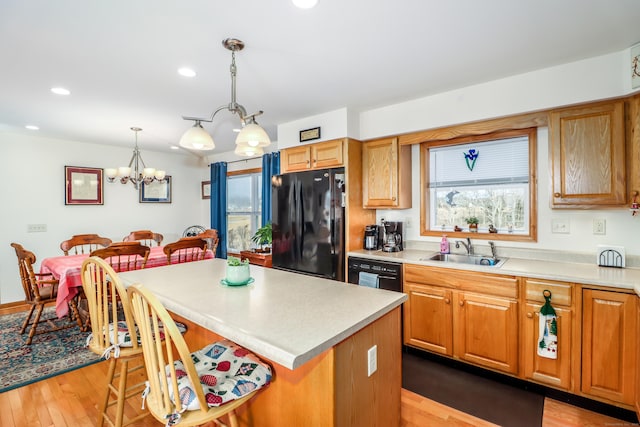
x,y
447,301
530,315
556,194
393,198
461,303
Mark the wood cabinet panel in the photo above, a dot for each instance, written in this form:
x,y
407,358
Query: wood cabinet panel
x,y
561,293
553,372
609,333
386,174
429,319
487,331
295,159
587,155
328,154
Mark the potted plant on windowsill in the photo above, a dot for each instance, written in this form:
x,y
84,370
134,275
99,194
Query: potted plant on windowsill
x,y
472,221
262,237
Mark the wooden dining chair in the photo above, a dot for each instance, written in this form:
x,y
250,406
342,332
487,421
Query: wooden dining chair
x,y
39,290
186,249
186,392
113,336
146,237
211,236
124,256
84,243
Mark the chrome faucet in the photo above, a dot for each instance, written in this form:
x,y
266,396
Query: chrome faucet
x,y
494,254
467,246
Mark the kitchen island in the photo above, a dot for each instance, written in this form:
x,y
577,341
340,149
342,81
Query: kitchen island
x,y
316,334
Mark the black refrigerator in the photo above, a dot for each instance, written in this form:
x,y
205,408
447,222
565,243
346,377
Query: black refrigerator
x,y
308,222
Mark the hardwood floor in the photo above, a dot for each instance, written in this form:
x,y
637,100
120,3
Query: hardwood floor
x,y
71,400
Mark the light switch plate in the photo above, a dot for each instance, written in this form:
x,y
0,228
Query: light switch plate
x,y
560,225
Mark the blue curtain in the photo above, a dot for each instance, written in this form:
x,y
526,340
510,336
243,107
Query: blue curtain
x,y
270,167
219,205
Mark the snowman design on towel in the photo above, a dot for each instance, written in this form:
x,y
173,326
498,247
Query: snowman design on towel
x,y
548,329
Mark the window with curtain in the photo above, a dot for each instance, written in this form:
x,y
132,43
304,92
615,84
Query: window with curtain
x,y
244,212
488,178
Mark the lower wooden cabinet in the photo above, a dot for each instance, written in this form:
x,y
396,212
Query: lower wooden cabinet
x,y
609,335
486,333
469,316
552,372
428,322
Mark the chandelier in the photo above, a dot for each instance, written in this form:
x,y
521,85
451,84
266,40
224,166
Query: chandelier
x,y
251,138
137,172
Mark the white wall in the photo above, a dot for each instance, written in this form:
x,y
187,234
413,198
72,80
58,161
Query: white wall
x,y
32,192
592,79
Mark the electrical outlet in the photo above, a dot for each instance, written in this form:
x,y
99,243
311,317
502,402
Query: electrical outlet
x,y
372,360
599,226
407,222
36,228
560,226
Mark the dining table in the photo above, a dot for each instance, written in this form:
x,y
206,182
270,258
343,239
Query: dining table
x,y
66,269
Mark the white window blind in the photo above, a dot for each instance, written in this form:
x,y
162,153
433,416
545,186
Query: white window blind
x,y
499,162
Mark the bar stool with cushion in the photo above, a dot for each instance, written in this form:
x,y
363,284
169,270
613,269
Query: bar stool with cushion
x,y
146,237
84,243
223,377
186,249
113,336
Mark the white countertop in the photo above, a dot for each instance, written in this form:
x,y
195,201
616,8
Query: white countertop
x,y
285,317
590,274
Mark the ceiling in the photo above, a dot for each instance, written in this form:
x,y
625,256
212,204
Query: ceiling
x,y
119,58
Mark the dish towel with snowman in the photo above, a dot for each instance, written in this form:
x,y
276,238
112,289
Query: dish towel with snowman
x,y
548,329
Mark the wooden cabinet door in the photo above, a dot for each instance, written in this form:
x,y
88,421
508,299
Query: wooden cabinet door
x,y
327,154
609,335
428,321
553,372
486,331
587,154
296,159
380,173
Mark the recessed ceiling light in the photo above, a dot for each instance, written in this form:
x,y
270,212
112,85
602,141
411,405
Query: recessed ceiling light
x,y
237,130
174,147
60,91
186,72
32,127
304,4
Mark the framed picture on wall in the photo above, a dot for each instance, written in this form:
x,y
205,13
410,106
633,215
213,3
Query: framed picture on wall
x,y
83,186
156,192
206,189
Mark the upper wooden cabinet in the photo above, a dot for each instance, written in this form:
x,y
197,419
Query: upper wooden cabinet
x,y
328,154
587,155
386,174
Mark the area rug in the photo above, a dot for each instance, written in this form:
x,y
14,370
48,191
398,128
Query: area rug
x,y
473,394
48,355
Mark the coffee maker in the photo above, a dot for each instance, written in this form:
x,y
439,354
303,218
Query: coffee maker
x,y
371,241
392,236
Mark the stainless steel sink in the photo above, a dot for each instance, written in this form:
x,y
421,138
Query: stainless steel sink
x,y
466,259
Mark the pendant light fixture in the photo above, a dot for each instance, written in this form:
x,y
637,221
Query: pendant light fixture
x,y
137,172
251,138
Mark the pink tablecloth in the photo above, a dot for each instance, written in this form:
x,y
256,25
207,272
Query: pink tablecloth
x,y
67,270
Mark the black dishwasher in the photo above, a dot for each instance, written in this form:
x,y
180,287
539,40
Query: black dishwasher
x,y
376,274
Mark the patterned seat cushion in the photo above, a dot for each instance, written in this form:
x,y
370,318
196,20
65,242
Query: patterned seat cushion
x,y
226,371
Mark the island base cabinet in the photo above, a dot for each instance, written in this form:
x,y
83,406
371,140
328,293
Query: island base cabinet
x,y
609,345
487,331
552,372
334,388
429,319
